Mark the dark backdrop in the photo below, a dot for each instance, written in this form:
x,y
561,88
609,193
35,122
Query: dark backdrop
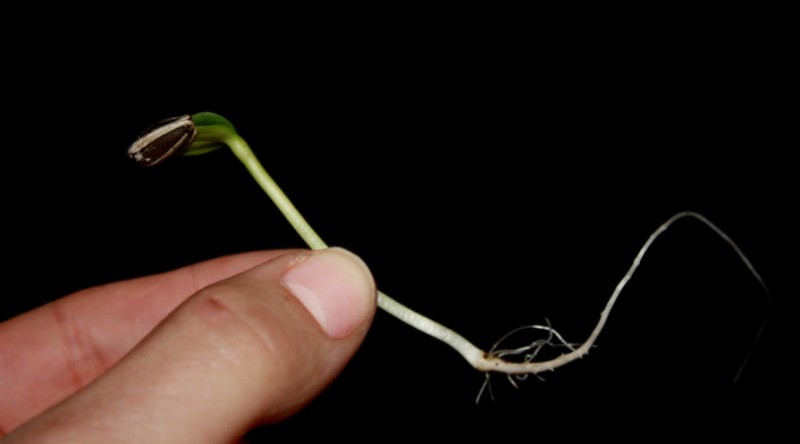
x,y
487,191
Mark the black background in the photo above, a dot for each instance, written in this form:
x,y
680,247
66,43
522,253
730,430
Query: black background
x,y
487,186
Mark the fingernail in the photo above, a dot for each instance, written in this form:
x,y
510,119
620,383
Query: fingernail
x,y
336,287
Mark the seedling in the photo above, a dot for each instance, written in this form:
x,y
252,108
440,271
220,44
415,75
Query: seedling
x,y
205,132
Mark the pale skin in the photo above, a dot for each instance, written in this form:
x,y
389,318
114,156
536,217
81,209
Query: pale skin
x,y
115,363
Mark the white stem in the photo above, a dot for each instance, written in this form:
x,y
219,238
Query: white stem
x,y
428,326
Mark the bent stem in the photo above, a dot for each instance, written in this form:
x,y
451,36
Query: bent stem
x,y
424,324
480,360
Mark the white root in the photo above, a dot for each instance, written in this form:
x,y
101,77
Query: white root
x,y
494,361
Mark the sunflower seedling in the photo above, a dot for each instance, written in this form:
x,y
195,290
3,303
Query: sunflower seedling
x,y
205,132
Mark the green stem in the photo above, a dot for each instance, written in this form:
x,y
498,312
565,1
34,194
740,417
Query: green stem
x,y
242,150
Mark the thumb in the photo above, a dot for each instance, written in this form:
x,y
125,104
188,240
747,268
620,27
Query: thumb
x,y
251,349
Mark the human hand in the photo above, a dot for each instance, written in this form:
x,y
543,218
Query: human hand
x,y
252,339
